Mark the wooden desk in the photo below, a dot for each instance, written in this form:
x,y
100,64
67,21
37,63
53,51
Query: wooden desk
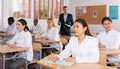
x,y
4,49
2,35
113,52
5,35
74,66
7,49
43,43
110,52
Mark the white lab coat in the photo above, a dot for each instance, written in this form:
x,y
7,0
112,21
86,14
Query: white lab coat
x,y
86,52
23,39
11,29
52,34
111,40
36,29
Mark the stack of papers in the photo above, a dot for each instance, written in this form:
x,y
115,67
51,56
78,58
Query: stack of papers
x,y
59,62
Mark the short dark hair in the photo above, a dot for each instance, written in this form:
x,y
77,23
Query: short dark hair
x,y
65,7
36,19
106,18
11,19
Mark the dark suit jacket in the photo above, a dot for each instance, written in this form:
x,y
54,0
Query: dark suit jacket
x,y
65,30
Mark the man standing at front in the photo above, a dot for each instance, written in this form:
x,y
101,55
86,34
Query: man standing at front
x,y
66,21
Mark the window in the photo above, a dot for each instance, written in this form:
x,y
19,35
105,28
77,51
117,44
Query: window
x,y
44,9
21,8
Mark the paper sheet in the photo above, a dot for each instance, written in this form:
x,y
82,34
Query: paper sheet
x,y
59,62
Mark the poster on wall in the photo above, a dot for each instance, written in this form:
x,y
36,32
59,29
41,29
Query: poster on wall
x,y
113,12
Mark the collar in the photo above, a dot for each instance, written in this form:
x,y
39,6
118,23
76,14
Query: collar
x,y
110,31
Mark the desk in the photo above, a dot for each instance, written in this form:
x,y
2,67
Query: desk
x,y
45,42
110,52
4,49
5,35
74,66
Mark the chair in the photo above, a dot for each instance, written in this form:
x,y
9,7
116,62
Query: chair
x,y
64,41
36,47
102,58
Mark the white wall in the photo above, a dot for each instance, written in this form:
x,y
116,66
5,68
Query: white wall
x,y
95,28
6,12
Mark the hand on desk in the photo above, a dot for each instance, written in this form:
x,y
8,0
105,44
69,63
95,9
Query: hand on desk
x,y
70,59
54,58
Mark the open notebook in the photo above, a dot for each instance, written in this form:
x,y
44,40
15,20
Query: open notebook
x,y
59,62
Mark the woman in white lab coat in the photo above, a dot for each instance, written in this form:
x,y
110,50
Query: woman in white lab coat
x,y
109,39
52,34
22,38
83,47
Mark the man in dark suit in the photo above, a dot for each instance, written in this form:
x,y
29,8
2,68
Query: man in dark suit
x,y
66,21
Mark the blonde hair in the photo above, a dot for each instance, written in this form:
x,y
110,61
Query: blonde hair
x,y
52,21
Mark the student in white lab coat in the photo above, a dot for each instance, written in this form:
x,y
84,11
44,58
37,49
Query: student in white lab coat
x,y
22,38
11,29
36,28
83,47
52,34
109,39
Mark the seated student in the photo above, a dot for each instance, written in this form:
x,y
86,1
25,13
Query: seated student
x,y
109,39
36,28
22,38
83,47
11,29
52,34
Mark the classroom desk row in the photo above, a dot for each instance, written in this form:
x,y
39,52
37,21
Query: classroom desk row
x,y
101,65
43,43
103,52
6,49
73,66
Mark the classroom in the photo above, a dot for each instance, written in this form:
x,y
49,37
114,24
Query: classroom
x,y
59,34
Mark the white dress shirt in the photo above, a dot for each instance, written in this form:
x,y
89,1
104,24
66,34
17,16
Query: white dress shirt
x,y
36,29
86,52
112,41
23,39
65,17
11,29
52,34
